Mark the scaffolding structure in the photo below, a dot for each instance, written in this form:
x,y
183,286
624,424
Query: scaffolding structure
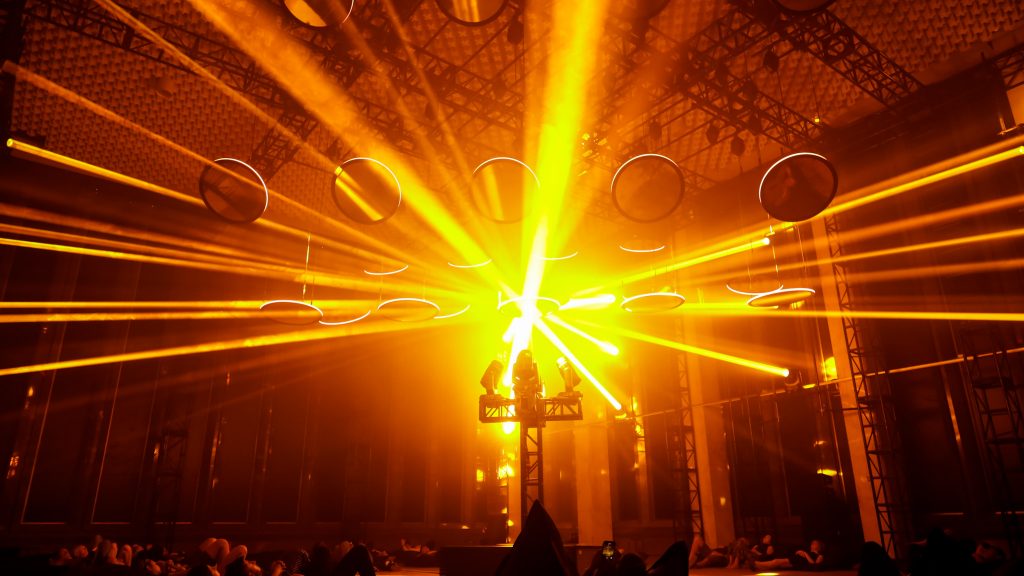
x,y
994,378
875,412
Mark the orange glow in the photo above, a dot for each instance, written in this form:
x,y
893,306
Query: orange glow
x,y
577,364
311,335
753,364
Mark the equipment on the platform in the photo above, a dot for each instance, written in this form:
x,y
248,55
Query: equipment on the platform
x,y
531,410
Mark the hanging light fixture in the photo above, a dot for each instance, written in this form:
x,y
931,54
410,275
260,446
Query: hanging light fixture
x,y
305,312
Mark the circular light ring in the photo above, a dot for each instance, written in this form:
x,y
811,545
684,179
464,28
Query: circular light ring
x,y
453,314
652,302
817,203
343,322
466,266
641,250
293,306
398,187
642,9
206,187
387,273
428,309
675,204
303,13
558,258
781,297
445,6
496,160
751,292
543,304
802,7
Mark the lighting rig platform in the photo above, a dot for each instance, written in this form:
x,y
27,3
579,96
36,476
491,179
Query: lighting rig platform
x,y
531,411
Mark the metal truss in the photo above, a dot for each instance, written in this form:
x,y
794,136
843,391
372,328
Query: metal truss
x,y
1011,66
12,33
830,40
822,35
995,381
497,408
876,414
233,67
531,413
699,72
687,517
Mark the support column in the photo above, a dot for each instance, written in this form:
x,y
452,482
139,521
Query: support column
x,y
593,489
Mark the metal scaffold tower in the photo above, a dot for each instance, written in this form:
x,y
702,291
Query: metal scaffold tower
x,y
687,517
876,414
994,377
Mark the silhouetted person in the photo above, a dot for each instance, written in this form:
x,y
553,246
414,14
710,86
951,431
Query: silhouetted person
x,y
875,562
631,565
673,562
537,550
357,560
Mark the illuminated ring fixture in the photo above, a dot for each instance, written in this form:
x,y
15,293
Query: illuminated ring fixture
x,y
303,13
652,302
806,201
543,305
564,257
293,306
802,7
495,8
388,272
641,250
496,160
648,158
750,293
643,9
781,297
453,314
392,309
346,211
343,322
207,186
465,266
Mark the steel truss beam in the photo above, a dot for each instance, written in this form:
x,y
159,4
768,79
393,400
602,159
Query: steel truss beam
x,y
687,517
822,35
233,67
830,40
876,414
1011,65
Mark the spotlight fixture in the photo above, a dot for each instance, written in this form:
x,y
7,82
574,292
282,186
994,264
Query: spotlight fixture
x,y
569,376
771,60
712,133
525,379
654,129
516,31
491,377
737,146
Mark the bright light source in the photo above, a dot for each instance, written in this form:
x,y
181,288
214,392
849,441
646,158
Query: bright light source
x,y
453,314
576,363
491,376
387,272
591,303
607,347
